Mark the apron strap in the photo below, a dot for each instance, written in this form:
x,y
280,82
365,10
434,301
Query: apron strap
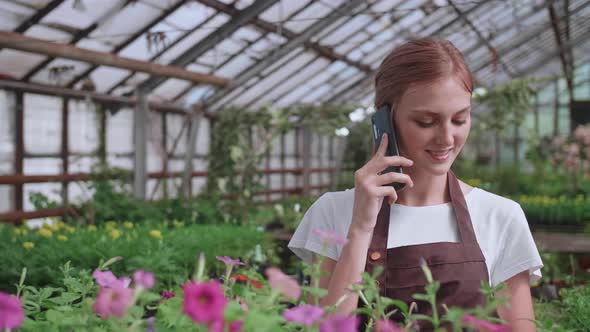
x,y
462,216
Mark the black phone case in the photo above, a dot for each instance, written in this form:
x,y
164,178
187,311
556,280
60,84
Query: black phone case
x,y
382,123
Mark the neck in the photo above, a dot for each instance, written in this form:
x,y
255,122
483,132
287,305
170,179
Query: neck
x,y
429,189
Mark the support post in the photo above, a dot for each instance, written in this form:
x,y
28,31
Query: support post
x,y
19,148
140,117
307,141
194,118
65,144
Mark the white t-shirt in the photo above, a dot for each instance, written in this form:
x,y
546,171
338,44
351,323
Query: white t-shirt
x,y
500,225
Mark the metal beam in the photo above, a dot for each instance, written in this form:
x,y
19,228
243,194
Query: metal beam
x,y
370,76
461,15
81,34
28,44
564,53
212,39
222,7
283,50
104,99
553,53
324,51
527,37
131,39
140,124
38,16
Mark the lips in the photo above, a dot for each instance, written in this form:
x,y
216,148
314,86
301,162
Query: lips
x,y
439,155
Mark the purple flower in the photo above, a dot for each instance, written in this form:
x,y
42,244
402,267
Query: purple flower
x,y
168,294
203,302
113,301
385,325
330,237
283,283
144,279
108,279
339,323
305,314
11,312
229,261
483,325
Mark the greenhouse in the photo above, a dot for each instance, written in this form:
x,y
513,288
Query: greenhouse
x,y
283,165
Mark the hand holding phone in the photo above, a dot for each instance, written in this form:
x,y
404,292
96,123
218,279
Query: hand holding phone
x,y
382,122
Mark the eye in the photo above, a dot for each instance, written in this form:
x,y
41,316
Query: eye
x,y
459,122
424,124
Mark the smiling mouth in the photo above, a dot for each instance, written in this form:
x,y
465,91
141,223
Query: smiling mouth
x,y
439,155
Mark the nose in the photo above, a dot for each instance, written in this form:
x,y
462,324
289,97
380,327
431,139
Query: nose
x,y
444,136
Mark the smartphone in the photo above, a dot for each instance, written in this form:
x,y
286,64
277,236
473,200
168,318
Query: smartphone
x,y
382,122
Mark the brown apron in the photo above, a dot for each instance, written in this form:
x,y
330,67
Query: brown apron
x,y
458,266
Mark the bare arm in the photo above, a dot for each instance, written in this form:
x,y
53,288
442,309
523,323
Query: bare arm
x,y
346,271
519,314
370,190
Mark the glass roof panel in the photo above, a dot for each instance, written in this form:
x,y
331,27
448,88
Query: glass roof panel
x,y
17,63
119,27
59,71
314,12
282,9
12,14
105,78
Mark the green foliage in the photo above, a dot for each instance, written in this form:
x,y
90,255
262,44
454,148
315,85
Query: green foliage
x,y
240,139
576,308
171,257
507,105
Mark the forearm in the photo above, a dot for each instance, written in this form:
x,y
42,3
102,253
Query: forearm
x,y
348,270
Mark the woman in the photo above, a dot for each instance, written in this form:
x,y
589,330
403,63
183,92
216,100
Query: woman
x,y
465,234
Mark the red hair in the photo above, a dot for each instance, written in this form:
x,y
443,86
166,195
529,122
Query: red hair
x,y
419,61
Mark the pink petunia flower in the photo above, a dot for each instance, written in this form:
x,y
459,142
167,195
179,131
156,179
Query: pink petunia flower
x,y
385,325
219,326
144,279
113,301
283,283
305,314
203,302
11,312
229,261
485,326
108,279
340,323
330,237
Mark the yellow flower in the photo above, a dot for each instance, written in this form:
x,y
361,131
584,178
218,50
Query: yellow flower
x,y
111,225
115,233
17,231
91,228
28,245
44,232
156,234
61,224
177,224
62,237
24,231
70,229
128,224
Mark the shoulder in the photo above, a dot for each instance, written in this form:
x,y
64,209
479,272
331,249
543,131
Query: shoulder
x,y
501,206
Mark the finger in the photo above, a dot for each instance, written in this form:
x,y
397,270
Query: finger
x,y
382,163
383,145
388,192
387,178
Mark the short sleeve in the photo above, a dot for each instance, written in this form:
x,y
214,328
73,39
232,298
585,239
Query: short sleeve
x,y
518,251
305,242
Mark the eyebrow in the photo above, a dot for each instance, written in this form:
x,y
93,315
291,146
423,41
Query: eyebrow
x,y
429,112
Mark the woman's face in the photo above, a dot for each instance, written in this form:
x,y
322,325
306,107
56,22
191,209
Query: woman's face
x,y
433,122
